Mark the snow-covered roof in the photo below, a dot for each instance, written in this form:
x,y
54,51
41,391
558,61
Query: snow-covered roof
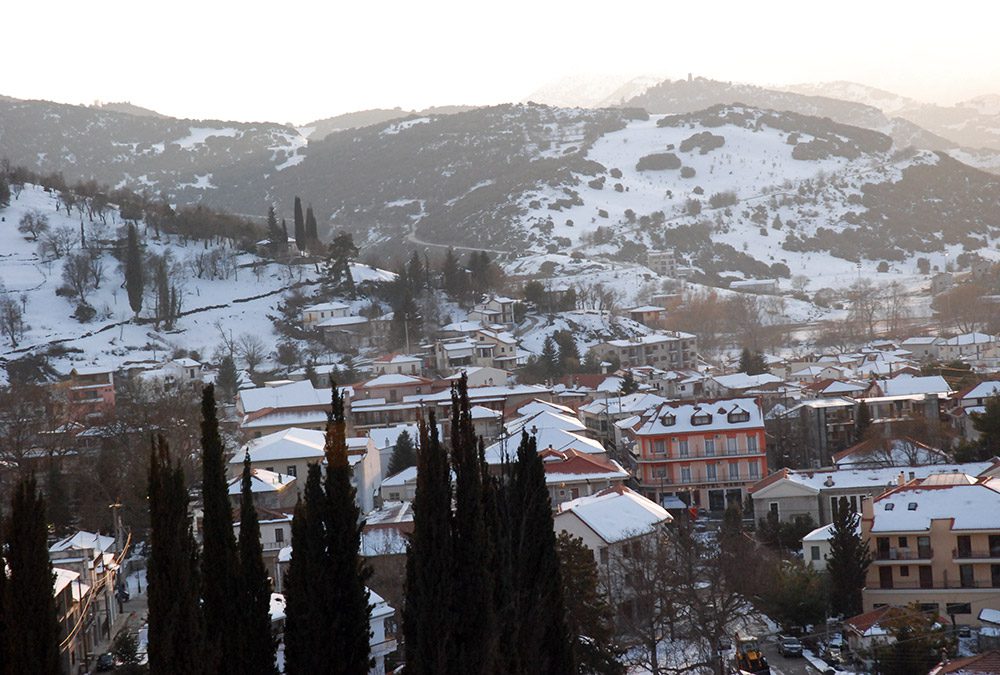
x,y
983,390
545,419
61,578
398,358
970,504
573,466
394,380
970,339
646,308
295,395
536,405
557,439
726,414
480,412
920,340
819,534
616,514
462,327
479,393
384,437
287,444
337,321
908,385
651,339
83,540
261,481
744,381
623,405
874,478
326,307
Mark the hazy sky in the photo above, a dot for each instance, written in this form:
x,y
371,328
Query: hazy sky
x,y
295,61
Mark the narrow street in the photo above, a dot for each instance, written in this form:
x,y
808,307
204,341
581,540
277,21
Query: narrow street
x,y
786,666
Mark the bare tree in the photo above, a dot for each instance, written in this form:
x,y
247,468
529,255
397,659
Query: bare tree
x,y
864,305
34,223
95,267
252,350
58,242
12,324
76,274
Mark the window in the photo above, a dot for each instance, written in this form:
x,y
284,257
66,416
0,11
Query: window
x,y
269,468
751,444
902,543
279,534
291,470
754,468
995,576
731,445
734,471
958,608
394,497
814,552
964,546
924,547
890,506
682,448
604,554
885,577
685,474
773,508
929,608
739,415
966,576
711,472
701,419
994,546
659,446
659,472
709,447
904,571
668,420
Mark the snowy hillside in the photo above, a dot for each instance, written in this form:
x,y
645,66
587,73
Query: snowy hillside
x,y
238,299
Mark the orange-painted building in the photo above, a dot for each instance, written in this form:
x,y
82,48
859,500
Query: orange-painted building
x,y
90,394
706,453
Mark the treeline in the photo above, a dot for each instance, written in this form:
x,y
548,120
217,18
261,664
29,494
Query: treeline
x,y
97,202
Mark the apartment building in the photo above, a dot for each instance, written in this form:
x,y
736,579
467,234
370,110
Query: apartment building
x,y
705,453
664,350
936,542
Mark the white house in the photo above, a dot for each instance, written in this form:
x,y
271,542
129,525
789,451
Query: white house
x,y
313,314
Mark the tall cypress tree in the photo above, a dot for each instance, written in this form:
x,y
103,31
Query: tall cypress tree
x,y
305,641
541,632
426,621
311,231
299,224
175,636
451,275
219,567
472,590
848,562
347,626
254,604
134,277
33,638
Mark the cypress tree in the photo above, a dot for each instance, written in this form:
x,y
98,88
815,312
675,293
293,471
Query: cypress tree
x,y
541,633
133,270
175,644
863,422
848,562
472,590
311,232
404,454
254,604
416,275
305,641
746,361
33,638
228,378
299,224
347,610
219,566
451,275
284,240
426,621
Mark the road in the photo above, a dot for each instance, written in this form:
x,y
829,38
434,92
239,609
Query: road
x,y
790,666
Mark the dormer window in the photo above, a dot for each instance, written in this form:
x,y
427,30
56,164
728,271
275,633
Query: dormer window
x,y
668,420
912,506
700,419
890,506
739,415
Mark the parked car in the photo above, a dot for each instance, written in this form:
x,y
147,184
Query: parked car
x,y
834,652
789,646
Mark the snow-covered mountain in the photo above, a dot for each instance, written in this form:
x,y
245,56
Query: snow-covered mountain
x,y
592,91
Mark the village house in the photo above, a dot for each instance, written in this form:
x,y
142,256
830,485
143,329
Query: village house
x,y
176,374
935,542
391,387
600,415
571,474
264,410
648,315
705,453
398,364
270,489
665,350
494,310
313,314
969,402
346,332
275,534
89,394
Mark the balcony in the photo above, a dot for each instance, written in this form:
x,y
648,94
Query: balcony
x,y
903,555
979,556
936,586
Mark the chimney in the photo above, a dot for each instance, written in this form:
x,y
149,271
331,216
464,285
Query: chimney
x,y
901,479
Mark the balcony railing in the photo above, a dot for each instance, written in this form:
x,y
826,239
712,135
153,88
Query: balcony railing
x,y
975,555
895,554
936,586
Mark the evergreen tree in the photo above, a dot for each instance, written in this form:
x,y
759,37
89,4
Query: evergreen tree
x,y
340,253
746,361
254,603
541,633
134,277
299,225
569,353
863,422
57,497
426,621
346,608
848,562
451,275
31,623
277,242
416,275
219,566
474,634
305,639
175,644
284,239
588,615
404,454
312,232
549,358
629,385
406,326
227,380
